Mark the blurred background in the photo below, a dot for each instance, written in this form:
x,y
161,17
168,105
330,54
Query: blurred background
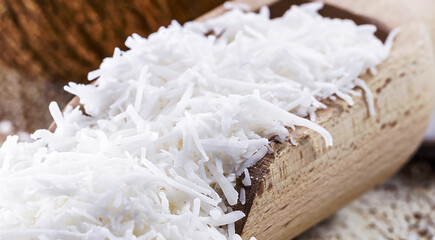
x,y
47,43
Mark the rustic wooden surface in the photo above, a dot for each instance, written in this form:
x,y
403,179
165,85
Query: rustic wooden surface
x,y
67,39
307,183
402,208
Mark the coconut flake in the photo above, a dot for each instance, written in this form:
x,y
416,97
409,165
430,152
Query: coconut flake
x,y
247,179
242,196
6,127
241,6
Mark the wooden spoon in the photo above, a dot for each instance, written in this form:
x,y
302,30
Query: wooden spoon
x,y
298,186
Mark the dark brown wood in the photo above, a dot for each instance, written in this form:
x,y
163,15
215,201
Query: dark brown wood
x,y
67,39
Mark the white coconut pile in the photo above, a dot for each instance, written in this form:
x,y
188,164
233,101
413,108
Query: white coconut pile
x,y
171,123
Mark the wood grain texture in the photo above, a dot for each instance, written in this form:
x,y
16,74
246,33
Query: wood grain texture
x,y
45,36
402,208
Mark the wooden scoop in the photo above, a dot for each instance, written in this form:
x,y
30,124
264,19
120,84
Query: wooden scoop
x,y
298,186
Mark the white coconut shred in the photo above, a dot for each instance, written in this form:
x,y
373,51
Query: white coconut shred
x,y
172,122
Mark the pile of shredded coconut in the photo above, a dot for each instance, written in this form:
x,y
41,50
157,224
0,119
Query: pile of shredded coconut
x,y
171,123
